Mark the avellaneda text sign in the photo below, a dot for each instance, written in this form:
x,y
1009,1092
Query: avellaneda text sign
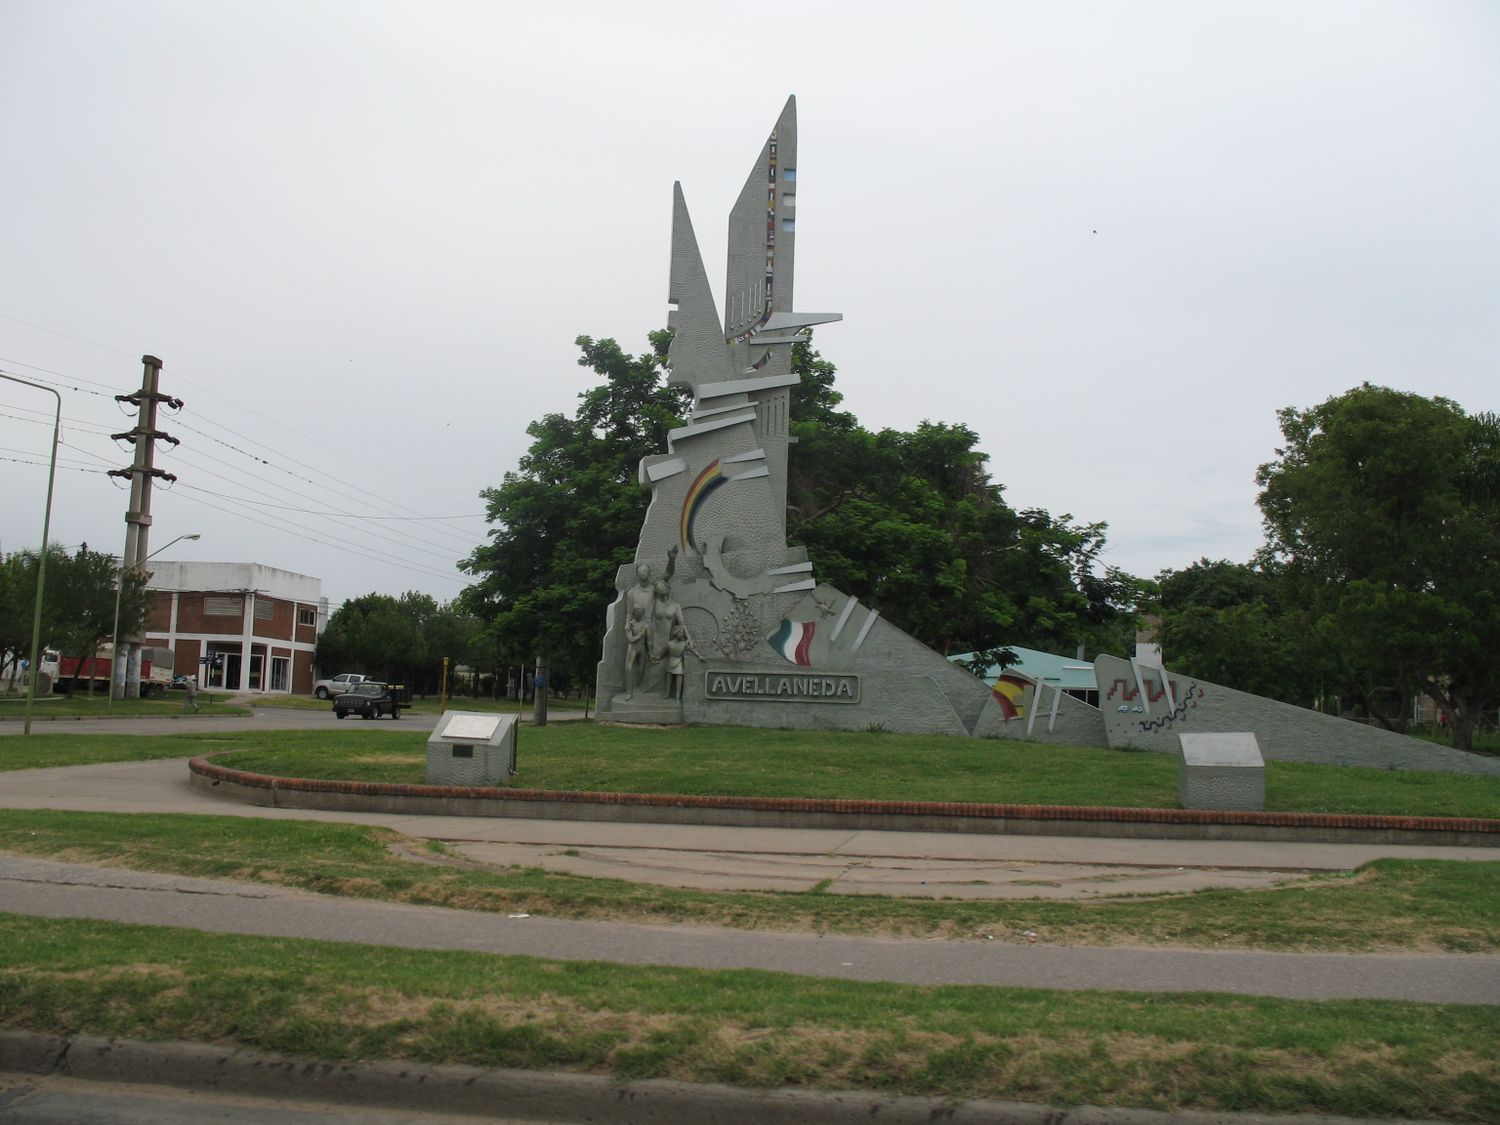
x,y
783,687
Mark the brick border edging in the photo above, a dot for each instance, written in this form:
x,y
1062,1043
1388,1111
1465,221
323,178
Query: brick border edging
x,y
816,812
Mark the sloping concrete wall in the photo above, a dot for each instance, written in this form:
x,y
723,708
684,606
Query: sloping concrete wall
x,y
1142,712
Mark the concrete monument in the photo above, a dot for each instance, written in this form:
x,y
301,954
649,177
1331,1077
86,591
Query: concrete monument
x,y
720,620
737,629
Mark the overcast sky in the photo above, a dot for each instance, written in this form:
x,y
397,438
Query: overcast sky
x,y
1112,238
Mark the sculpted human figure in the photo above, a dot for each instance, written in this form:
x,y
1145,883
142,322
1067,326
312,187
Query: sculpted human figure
x,y
666,615
635,650
678,645
641,597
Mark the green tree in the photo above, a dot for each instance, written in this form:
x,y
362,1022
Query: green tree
x,y
85,586
17,587
399,639
1382,506
912,522
908,521
569,516
78,611
1225,622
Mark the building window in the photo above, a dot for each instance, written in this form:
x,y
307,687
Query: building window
x,y
264,610
306,615
223,605
280,673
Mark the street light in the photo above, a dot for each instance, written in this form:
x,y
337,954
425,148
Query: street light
x,y
41,563
116,669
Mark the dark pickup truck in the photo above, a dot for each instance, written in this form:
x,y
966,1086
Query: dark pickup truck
x,y
372,699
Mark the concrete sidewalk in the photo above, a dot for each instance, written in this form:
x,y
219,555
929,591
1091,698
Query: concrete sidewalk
x,y
708,857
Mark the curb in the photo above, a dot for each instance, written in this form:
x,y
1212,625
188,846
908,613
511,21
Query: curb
x,y
540,1095
804,812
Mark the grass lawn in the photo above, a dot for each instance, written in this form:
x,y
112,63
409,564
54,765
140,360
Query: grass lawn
x,y
1390,905
742,762
739,761
749,1028
80,706
1485,741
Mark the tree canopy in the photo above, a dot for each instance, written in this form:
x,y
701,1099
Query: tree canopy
x,y
908,521
401,639
568,517
1228,622
78,611
1383,510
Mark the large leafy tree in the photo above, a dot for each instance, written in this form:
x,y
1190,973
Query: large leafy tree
x,y
569,516
908,521
401,639
17,589
1227,622
912,522
1383,508
78,611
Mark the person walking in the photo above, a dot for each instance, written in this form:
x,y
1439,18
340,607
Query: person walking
x,y
192,694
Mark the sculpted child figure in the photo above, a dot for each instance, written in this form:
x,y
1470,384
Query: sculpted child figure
x,y
635,649
678,645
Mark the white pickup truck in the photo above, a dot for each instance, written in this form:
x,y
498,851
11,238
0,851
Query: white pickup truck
x,y
326,689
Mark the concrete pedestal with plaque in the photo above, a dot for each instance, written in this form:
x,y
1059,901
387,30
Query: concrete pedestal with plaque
x,y
472,748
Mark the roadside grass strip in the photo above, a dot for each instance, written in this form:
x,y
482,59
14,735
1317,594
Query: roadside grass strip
x,y
81,706
749,1028
1388,906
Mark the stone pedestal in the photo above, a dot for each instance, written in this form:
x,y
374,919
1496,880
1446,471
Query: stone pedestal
x,y
472,748
1221,772
653,710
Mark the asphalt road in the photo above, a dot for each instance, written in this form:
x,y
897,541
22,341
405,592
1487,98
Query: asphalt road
x,y
424,718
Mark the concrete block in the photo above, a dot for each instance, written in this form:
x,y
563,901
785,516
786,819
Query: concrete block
x,y
1221,771
472,748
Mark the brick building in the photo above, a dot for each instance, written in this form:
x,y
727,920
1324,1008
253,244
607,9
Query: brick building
x,y
263,621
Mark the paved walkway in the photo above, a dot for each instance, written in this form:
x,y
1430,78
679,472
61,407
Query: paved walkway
x,y
709,857
42,887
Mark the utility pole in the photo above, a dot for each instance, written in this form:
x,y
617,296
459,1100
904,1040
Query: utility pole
x,y
125,679
539,693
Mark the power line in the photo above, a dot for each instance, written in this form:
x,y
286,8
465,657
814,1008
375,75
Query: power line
x,y
302,479
64,335
465,542
309,511
351,522
62,386
44,464
352,549
305,480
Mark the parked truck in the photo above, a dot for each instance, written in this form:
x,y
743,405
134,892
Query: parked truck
x,y
371,699
68,671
